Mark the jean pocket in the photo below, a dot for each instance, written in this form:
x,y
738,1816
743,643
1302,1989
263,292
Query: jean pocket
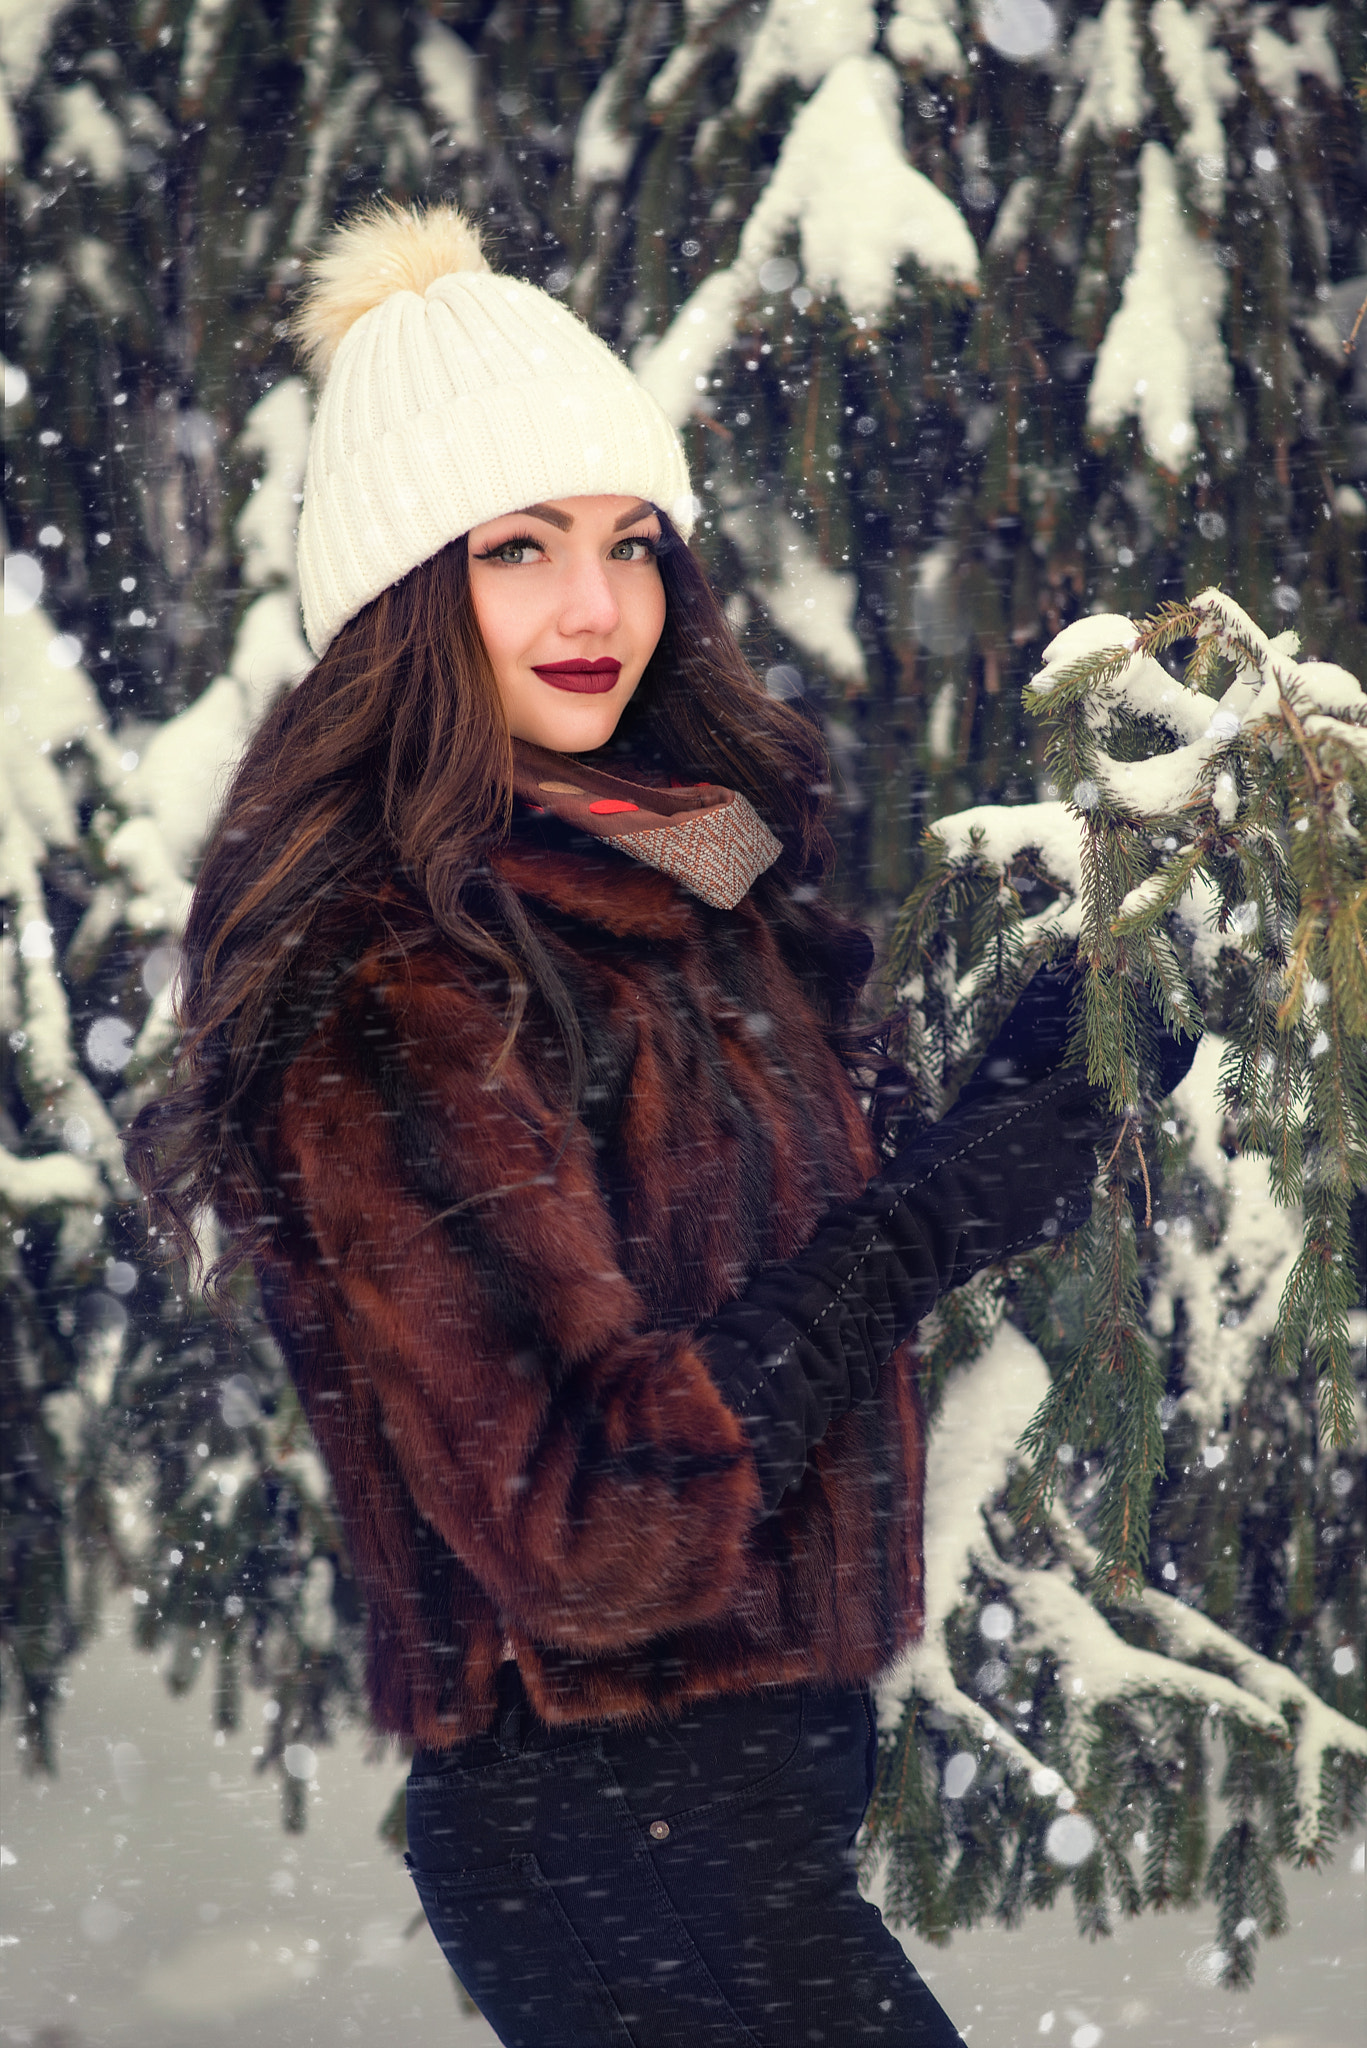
x,y
506,1936
724,1751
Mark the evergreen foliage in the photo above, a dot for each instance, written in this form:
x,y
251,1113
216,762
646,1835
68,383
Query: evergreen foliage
x,y
1202,857
970,343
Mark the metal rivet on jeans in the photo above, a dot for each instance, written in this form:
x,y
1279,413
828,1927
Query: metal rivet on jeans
x,y
658,1830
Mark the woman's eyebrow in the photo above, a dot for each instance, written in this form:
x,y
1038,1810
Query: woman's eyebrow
x,y
547,512
565,520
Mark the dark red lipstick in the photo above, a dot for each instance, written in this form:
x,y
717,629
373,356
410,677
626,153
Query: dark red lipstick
x,y
586,678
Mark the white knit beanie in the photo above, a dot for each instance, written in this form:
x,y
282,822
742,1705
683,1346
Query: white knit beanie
x,y
451,395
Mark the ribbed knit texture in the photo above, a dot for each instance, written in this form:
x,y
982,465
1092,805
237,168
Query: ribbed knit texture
x,y
449,408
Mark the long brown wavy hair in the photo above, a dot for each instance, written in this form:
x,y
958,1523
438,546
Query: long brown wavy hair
x,y
390,767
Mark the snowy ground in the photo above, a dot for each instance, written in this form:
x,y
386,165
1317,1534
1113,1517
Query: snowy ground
x,y
151,1900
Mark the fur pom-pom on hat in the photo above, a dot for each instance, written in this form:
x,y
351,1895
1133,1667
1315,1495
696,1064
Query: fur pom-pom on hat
x,y
385,248
451,394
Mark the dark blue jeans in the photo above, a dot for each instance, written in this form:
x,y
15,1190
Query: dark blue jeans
x,y
689,1885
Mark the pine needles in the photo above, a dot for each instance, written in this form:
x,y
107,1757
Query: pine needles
x,y
1207,832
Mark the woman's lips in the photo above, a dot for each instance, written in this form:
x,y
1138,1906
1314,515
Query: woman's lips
x,y
586,678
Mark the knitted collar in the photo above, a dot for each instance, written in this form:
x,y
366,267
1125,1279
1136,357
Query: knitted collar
x,y
710,840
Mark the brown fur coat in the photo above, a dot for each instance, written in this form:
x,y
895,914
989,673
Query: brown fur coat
x,y
491,1331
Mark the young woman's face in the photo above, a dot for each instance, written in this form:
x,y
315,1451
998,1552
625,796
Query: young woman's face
x,y
571,606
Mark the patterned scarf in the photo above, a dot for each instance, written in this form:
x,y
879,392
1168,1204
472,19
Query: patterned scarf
x,y
709,839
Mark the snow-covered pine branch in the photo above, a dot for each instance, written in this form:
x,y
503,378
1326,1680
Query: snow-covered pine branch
x,y
1006,1729
1204,845
1206,848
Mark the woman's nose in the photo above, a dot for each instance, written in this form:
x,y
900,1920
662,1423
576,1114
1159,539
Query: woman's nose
x,y
589,605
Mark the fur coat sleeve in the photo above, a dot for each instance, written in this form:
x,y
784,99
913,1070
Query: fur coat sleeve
x,y
580,1463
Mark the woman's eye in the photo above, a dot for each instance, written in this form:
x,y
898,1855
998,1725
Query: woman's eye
x,y
635,550
516,552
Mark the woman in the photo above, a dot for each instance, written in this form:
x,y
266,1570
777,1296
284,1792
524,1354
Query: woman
x,y
518,1057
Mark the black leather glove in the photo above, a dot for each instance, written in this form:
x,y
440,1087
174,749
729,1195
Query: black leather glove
x,y
1036,1036
808,1338
1033,1040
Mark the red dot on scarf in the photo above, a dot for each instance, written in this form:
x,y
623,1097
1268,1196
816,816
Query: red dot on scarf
x,y
607,805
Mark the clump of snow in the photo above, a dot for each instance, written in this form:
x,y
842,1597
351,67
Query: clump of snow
x,y
1104,54
1202,83
1162,356
1000,833
986,1406
922,34
329,140
803,39
844,144
53,1180
1231,1293
185,766
602,148
450,79
269,649
810,603
1014,216
203,32
940,724
25,28
684,59
92,265
1319,1729
47,706
1280,65
84,131
277,430
1160,785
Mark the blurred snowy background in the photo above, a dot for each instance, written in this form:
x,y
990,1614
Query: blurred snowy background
x,y
978,318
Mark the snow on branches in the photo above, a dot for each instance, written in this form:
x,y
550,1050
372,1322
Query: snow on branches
x,y
149,796
1204,839
1044,1750
1204,861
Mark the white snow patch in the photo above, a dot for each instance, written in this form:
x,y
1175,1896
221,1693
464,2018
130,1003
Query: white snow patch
x,y
1162,355
92,265
986,1406
810,603
804,40
844,144
602,149
276,429
1202,83
999,833
1013,220
84,131
269,650
940,724
923,35
1104,54
202,33
1280,65
1227,1320
55,1179
25,28
1321,1729
449,72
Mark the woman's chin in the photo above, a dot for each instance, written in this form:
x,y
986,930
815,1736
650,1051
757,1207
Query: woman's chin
x,y
577,727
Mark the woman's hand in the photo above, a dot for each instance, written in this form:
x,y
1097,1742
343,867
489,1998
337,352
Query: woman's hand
x,y
1046,1025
